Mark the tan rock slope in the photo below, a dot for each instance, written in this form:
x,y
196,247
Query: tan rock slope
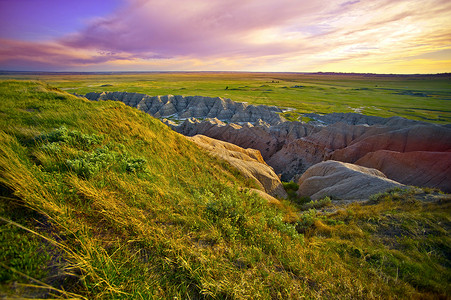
x,y
248,161
343,181
244,135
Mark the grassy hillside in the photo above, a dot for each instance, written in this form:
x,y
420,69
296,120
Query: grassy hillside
x,y
101,201
414,97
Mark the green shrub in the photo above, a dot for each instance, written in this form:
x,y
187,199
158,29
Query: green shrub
x,y
133,165
306,220
290,186
232,214
87,156
90,163
72,137
52,148
284,227
317,204
225,207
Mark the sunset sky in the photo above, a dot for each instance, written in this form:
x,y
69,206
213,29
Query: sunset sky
x,y
369,36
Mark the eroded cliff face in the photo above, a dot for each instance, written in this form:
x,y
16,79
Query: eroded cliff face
x,y
418,168
430,138
411,152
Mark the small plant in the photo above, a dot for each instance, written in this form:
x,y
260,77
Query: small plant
x,y
428,190
53,148
317,204
225,207
394,194
291,188
91,163
289,229
306,220
305,119
133,165
375,198
291,116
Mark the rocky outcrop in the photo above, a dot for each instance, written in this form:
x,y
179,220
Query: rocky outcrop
x,y
419,168
181,107
343,181
248,161
413,138
296,157
289,147
298,154
292,147
244,135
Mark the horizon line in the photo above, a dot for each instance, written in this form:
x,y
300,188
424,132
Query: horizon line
x,y
8,72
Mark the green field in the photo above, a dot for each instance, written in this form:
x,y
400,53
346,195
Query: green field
x,y
101,201
426,98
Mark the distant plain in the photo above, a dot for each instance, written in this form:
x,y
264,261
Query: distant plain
x,y
418,97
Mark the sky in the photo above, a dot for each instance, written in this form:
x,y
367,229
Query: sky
x,y
362,36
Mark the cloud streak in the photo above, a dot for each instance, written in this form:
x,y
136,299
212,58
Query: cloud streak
x,y
256,35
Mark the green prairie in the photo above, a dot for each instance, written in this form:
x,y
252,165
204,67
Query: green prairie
x,y
425,98
102,201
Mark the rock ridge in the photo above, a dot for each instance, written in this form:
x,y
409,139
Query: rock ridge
x,y
183,107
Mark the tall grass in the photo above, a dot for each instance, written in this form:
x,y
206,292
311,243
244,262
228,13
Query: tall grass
x,y
102,201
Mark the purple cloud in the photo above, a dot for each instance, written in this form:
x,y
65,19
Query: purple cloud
x,y
47,56
173,28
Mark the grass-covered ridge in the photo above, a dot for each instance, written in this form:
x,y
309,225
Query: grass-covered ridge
x,y
101,201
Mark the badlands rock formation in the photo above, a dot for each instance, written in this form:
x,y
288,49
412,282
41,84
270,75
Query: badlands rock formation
x,y
343,181
292,147
248,161
181,107
411,152
245,135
